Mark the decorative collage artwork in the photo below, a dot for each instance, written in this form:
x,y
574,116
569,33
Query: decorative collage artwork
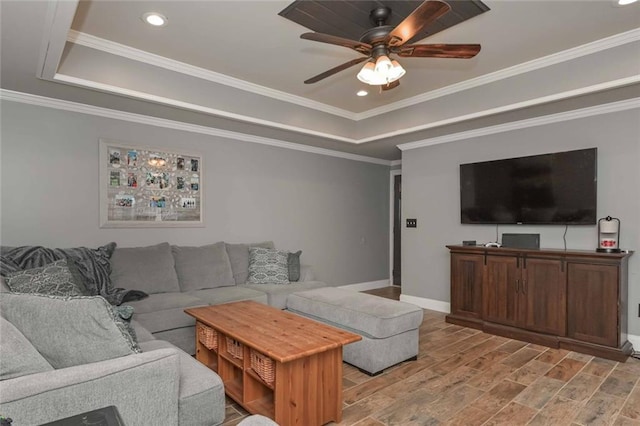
x,y
148,186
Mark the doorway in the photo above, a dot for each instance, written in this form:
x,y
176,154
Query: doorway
x,y
396,228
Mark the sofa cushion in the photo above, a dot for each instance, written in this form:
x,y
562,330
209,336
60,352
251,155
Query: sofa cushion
x,y
18,356
165,311
203,267
68,331
163,301
150,269
142,334
216,296
293,264
277,293
201,399
239,258
268,266
55,279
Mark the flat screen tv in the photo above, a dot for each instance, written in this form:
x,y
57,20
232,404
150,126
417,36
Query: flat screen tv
x,y
558,188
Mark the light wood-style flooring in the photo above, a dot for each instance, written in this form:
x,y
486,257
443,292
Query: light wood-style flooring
x,y
466,377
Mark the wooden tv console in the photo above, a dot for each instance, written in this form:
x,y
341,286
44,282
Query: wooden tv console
x,y
570,299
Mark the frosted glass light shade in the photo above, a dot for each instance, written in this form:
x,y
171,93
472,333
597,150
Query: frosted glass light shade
x,y
384,71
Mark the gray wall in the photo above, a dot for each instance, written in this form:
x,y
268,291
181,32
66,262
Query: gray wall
x,y
335,210
430,193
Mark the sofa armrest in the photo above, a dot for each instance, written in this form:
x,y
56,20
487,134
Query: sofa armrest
x,y
143,387
306,273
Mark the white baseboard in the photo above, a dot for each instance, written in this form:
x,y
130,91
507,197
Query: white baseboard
x,y
635,341
366,286
424,303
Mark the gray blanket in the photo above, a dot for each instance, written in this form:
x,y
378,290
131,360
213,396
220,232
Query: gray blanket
x,y
92,265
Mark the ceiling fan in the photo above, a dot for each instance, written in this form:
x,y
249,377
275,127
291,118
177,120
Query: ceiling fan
x,y
377,43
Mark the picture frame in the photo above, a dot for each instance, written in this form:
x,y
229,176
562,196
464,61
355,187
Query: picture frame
x,y
148,187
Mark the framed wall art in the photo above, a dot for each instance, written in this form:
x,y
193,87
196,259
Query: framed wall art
x,y
142,186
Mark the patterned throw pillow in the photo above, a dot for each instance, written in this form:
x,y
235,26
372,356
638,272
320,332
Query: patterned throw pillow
x,y
54,279
268,266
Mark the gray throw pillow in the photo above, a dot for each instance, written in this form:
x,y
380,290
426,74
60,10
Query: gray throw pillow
x,y
239,258
18,356
293,262
68,331
203,267
268,266
150,269
55,279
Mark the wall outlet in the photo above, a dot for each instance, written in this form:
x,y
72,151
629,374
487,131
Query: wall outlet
x,y
412,223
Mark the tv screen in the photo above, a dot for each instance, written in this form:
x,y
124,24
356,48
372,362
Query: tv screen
x,y
558,188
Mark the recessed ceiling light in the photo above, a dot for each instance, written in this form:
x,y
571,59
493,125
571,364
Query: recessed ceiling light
x,y
362,93
155,19
626,2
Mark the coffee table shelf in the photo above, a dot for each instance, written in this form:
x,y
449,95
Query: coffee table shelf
x,y
306,357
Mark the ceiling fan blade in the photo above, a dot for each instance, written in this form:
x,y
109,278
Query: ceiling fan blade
x,y
462,51
423,15
390,86
363,48
335,70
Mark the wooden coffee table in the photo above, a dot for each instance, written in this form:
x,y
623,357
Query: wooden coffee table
x,y
273,362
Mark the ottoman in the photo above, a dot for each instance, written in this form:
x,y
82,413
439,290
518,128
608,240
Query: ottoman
x,y
389,328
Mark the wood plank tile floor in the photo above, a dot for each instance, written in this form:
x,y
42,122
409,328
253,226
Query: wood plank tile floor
x,y
466,377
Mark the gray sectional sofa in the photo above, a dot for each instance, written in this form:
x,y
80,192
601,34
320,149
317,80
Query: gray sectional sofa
x,y
154,381
177,278
90,363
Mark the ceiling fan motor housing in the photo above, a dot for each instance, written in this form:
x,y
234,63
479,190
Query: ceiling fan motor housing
x,y
379,15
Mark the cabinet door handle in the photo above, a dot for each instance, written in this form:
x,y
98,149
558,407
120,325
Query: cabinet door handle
x,y
517,286
524,286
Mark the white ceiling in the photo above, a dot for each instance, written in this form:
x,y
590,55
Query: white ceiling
x,y
250,41
238,66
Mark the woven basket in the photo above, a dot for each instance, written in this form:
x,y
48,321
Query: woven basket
x,y
235,348
208,337
263,366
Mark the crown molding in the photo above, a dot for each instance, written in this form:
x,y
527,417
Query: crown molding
x,y
396,163
207,110
535,64
26,98
531,122
93,42
193,107
180,67
511,107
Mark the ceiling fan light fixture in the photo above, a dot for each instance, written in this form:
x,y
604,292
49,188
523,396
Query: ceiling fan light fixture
x,y
383,65
368,74
383,71
396,71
